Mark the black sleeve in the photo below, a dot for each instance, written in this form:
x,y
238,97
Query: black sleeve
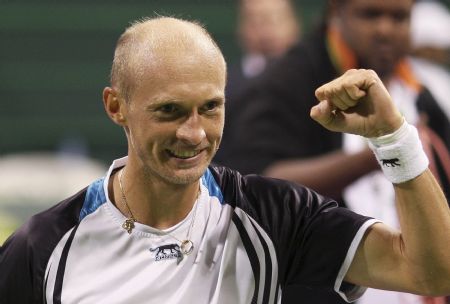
x,y
24,255
312,235
18,278
321,245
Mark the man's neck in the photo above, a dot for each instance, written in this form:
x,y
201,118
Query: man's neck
x,y
153,202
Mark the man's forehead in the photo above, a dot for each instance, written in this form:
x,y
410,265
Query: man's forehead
x,y
195,54
156,50
180,73
183,65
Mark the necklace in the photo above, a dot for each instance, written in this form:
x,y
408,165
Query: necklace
x,y
186,246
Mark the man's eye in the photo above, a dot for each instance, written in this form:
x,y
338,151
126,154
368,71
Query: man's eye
x,y
168,109
401,16
370,14
210,106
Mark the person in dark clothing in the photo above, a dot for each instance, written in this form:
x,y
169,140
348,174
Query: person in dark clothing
x,y
266,29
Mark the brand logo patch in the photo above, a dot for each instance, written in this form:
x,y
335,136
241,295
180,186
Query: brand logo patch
x,y
390,162
166,252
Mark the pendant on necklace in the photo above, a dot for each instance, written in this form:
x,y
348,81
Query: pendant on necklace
x,y
186,247
128,225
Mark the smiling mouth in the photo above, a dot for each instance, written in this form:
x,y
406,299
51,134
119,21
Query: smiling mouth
x,y
184,154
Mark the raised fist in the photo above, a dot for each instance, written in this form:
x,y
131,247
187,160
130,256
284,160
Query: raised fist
x,y
357,103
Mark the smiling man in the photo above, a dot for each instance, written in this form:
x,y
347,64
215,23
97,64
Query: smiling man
x,y
165,226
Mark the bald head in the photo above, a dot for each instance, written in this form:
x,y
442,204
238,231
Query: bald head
x,y
160,45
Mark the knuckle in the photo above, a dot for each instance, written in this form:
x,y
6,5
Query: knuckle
x,y
348,86
371,73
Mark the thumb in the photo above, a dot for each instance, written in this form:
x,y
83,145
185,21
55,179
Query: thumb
x,y
323,113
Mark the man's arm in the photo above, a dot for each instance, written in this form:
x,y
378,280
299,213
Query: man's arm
x,y
417,259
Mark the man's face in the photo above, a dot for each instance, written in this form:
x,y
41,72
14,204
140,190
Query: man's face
x,y
175,118
378,31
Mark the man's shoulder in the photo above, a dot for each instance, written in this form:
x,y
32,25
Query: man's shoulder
x,y
42,227
228,177
67,210
24,255
258,189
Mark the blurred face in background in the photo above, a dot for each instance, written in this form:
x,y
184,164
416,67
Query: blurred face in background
x,y
267,27
377,30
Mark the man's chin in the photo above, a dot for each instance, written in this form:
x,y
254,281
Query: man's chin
x,y
185,177
384,67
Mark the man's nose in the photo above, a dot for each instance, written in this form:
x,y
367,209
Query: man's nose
x,y
386,26
191,131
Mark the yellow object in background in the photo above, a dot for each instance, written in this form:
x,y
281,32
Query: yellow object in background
x,y
8,224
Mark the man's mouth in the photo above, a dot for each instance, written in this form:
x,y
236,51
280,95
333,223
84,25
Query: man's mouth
x,y
184,154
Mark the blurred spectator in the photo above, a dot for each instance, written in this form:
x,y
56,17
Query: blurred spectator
x,y
266,29
276,136
430,28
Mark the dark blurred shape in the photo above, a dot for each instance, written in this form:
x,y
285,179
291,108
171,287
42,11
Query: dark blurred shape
x,y
266,29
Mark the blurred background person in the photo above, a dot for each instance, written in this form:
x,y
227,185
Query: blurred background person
x,y
430,29
266,29
277,138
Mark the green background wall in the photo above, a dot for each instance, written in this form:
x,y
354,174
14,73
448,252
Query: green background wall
x,y
55,58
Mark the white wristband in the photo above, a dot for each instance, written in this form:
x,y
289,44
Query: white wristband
x,y
400,154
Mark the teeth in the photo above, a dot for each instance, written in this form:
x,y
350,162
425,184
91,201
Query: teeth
x,y
184,153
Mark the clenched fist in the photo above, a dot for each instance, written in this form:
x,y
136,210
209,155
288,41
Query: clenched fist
x,y
357,103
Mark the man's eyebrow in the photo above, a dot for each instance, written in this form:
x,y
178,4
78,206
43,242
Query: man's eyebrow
x,y
218,96
220,99
162,101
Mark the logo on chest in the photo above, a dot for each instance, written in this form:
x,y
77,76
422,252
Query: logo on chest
x,y
166,252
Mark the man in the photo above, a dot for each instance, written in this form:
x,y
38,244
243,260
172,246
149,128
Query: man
x,y
163,227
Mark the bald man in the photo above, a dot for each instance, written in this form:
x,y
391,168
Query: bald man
x,y
164,226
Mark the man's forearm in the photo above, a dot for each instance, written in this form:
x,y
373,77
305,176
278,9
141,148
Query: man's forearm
x,y
425,224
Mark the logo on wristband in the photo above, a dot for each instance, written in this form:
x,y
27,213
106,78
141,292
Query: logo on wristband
x,y
390,162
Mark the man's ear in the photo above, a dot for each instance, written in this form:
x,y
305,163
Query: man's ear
x,y
114,106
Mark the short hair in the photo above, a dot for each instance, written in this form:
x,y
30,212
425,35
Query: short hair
x,y
143,39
